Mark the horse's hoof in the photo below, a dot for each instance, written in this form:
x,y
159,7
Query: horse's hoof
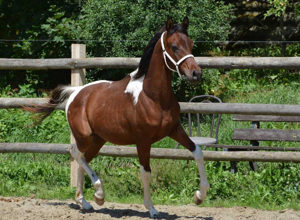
x,y
197,200
84,204
153,212
98,200
88,210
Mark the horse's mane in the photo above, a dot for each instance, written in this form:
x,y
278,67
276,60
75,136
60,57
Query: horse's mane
x,y
146,57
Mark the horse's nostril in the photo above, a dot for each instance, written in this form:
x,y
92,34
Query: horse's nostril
x,y
195,73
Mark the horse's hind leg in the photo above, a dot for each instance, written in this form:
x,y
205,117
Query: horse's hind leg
x,y
179,135
79,189
83,158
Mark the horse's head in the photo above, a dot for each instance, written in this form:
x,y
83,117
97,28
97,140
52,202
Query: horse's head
x,y
177,49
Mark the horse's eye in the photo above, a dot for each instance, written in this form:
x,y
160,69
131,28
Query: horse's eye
x,y
175,48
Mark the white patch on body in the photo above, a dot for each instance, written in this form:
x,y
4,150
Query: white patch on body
x,y
204,185
135,86
76,90
146,178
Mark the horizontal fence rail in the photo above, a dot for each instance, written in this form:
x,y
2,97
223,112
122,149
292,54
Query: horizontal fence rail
x,y
244,147
240,108
205,108
132,63
157,153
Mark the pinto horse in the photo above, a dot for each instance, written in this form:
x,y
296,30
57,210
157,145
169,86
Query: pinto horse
x,y
140,109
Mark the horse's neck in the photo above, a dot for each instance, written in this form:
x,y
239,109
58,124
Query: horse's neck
x,y
158,81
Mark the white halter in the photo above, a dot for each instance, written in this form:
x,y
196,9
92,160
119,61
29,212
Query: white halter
x,y
165,53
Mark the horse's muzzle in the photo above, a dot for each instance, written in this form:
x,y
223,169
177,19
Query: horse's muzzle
x,y
195,77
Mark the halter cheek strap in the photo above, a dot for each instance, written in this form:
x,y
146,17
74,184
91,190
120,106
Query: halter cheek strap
x,y
165,53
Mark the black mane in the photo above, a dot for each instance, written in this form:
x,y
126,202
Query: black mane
x,y
146,57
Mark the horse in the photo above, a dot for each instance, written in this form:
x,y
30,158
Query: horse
x,y
140,109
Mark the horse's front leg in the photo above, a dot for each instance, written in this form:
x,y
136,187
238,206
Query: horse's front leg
x,y
144,158
179,135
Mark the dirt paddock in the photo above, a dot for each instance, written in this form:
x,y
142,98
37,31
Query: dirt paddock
x,y
27,208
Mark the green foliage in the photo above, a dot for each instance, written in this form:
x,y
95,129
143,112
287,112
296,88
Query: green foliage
x,y
109,28
273,184
125,34
228,83
278,8
56,30
117,27
297,10
35,30
16,126
27,20
33,174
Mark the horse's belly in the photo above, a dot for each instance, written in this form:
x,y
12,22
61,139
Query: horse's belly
x,y
115,135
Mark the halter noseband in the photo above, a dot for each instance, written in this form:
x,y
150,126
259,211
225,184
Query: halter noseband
x,y
165,53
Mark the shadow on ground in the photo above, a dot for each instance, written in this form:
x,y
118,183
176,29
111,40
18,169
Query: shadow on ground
x,y
121,213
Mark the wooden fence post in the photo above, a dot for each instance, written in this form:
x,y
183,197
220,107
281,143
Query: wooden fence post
x,y
77,79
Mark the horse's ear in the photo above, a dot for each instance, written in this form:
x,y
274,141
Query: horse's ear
x,y
185,23
169,24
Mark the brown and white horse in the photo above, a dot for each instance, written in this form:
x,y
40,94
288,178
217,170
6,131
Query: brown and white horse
x,y
140,109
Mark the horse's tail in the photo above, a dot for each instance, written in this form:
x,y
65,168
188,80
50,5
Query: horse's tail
x,y
58,96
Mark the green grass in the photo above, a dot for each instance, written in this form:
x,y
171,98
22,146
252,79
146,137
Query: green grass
x,y
274,186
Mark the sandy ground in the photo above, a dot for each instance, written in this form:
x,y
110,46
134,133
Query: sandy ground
x,y
27,208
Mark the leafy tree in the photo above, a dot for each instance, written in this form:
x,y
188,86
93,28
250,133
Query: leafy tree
x,y
277,8
25,25
123,28
109,28
26,20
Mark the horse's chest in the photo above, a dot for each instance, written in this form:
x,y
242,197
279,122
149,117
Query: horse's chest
x,y
155,120
156,124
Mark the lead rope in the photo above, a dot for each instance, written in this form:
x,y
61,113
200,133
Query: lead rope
x,y
165,53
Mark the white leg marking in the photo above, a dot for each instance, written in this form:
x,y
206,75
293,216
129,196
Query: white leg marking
x,y
135,86
79,191
204,185
80,159
146,178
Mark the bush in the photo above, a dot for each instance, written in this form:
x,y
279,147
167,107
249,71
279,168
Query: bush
x,y
113,29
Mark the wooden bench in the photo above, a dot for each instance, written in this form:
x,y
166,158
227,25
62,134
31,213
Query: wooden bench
x,y
256,134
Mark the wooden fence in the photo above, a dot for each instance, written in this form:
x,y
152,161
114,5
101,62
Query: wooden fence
x,y
204,108
78,63
157,153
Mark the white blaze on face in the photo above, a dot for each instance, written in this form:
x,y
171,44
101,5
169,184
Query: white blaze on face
x,y
135,86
